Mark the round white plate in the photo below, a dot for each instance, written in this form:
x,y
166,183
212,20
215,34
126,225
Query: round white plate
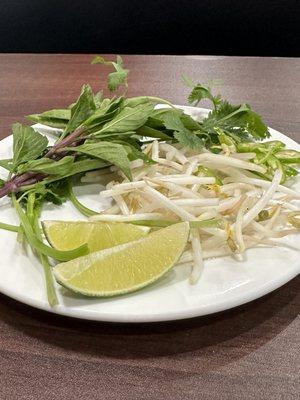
x,y
225,283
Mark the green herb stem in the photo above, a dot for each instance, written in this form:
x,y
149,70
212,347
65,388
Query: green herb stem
x,y
39,245
87,212
163,101
8,227
50,288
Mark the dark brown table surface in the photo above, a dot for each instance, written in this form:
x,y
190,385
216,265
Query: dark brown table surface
x,y
251,352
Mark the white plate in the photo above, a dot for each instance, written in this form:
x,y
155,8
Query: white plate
x,y
225,283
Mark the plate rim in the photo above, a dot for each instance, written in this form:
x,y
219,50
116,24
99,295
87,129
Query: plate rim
x,y
159,317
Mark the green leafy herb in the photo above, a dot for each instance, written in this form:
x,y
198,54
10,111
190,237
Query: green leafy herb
x,y
136,101
112,152
117,78
80,166
200,92
189,122
189,139
153,133
81,110
49,166
27,144
239,122
7,164
54,118
103,114
172,120
128,119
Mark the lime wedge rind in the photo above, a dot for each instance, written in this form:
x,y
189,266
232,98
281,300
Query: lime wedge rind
x,y
67,235
125,268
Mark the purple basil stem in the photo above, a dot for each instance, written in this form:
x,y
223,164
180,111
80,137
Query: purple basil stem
x,y
30,178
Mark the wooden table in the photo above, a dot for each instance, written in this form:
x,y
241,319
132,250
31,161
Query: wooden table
x,y
251,352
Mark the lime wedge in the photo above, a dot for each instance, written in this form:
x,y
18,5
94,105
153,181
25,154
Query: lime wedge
x,y
127,267
68,235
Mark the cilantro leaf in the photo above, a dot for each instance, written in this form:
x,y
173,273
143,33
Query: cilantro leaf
x,y
55,193
200,92
189,122
172,120
27,144
189,139
240,122
117,78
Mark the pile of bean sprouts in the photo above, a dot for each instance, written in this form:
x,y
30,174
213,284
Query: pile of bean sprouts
x,y
229,207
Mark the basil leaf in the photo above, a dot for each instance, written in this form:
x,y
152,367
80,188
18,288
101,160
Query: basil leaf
x,y
147,131
81,110
27,144
103,114
108,151
135,154
54,118
49,166
136,101
80,166
7,164
129,119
